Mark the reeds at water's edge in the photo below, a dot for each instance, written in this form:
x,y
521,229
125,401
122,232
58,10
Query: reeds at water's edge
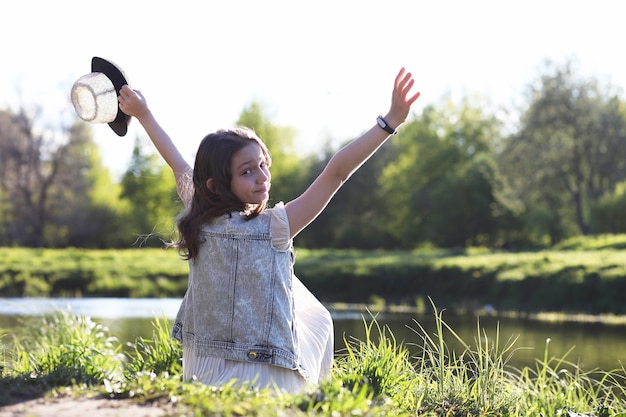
x,y
64,353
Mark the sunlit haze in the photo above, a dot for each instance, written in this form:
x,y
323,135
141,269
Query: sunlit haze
x,y
323,67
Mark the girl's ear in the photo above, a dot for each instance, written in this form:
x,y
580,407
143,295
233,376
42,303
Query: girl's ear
x,y
209,185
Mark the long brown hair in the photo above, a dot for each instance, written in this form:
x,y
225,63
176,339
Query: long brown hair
x,y
213,161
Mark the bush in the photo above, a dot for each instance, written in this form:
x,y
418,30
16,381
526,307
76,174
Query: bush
x,y
607,214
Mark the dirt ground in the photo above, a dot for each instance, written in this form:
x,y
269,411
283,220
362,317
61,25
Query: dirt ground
x,y
70,407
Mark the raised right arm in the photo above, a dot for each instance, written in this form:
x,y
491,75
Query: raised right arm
x,y
133,103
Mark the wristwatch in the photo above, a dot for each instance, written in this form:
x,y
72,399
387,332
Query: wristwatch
x,y
383,124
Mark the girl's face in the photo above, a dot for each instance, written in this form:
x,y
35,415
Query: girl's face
x,y
250,175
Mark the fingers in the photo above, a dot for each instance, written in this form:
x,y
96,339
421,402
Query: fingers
x,y
132,102
125,91
406,87
403,78
413,98
399,76
403,84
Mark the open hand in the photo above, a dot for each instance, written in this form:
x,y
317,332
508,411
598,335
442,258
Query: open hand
x,y
401,100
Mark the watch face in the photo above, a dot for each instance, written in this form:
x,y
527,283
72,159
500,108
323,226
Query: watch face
x,y
381,122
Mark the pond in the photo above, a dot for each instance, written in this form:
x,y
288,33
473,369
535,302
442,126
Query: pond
x,y
589,345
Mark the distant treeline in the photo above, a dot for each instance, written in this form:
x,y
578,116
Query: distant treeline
x,y
586,275
458,174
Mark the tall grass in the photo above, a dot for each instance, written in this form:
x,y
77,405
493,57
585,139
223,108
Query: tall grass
x,y
382,365
376,376
478,381
156,355
57,350
473,382
557,384
64,347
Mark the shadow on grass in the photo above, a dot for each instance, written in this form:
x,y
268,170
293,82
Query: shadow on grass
x,y
23,388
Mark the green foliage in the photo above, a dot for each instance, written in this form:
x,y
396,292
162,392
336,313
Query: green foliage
x,y
372,378
99,223
594,390
157,355
467,209
79,272
599,242
451,178
607,214
59,350
149,188
443,187
383,368
568,151
89,211
579,276
335,398
49,186
563,281
352,219
473,382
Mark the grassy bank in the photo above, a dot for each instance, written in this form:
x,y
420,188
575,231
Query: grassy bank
x,y
64,354
583,275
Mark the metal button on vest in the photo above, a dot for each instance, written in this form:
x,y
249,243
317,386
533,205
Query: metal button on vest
x,y
252,355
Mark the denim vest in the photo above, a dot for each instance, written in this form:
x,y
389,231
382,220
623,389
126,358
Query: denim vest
x,y
239,302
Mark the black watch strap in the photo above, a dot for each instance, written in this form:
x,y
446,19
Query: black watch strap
x,y
383,124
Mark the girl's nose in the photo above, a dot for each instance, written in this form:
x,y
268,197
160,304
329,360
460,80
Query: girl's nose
x,y
263,176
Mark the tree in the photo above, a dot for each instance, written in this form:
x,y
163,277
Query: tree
x,y
28,166
465,207
94,214
46,181
444,188
570,149
607,213
149,188
352,218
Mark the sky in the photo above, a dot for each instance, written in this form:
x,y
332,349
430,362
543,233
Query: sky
x,y
324,67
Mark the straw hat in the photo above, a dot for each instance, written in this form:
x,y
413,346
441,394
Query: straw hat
x,y
94,95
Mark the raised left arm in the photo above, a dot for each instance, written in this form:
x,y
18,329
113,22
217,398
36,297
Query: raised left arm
x,y
305,208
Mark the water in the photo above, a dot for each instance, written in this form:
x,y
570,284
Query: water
x,y
588,345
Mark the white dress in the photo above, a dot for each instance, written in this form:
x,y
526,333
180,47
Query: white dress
x,y
314,328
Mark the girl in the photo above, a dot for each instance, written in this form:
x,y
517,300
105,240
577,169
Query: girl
x,y
245,315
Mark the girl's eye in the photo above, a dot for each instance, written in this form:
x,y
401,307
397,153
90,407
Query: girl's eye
x,y
247,171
